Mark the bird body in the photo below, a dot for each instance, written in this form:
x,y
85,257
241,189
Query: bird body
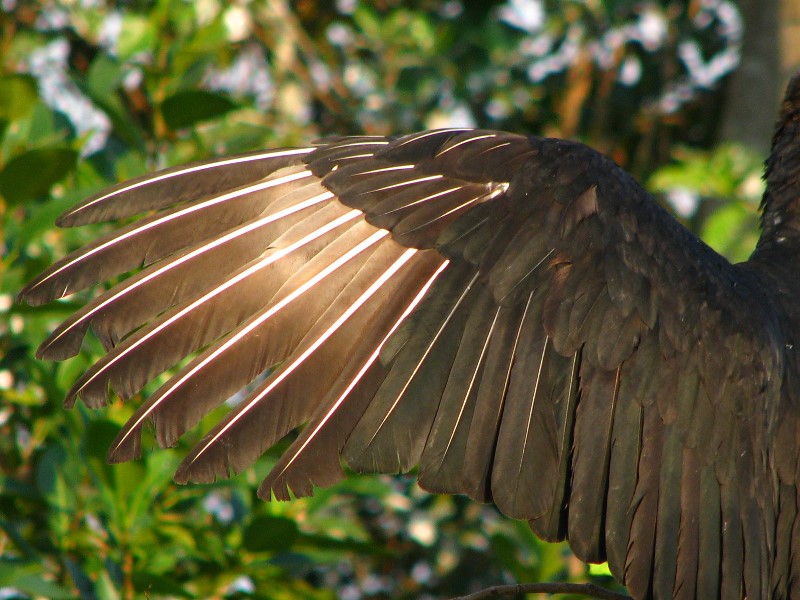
x,y
515,316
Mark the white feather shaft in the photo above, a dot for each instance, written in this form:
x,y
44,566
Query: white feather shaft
x,y
171,217
195,169
114,297
373,357
404,258
234,339
228,283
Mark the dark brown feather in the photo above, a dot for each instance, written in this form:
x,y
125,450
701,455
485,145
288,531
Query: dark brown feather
x,y
265,339
391,435
184,329
552,525
275,407
668,553
526,470
154,237
179,184
180,277
490,401
441,467
594,422
709,524
626,446
313,458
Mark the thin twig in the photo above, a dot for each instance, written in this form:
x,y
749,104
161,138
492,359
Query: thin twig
x,y
586,589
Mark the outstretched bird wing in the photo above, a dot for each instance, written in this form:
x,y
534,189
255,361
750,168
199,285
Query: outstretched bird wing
x,y
515,316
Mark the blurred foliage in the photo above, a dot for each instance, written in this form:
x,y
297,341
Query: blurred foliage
x,y
728,181
95,92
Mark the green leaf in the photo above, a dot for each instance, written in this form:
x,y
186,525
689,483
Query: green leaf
x,y
105,588
178,535
48,471
102,86
105,77
18,95
600,570
9,486
18,540
732,231
128,479
99,435
137,35
27,579
149,584
184,109
270,534
41,217
47,127
311,542
30,175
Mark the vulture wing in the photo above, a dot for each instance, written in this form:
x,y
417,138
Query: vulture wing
x,y
515,316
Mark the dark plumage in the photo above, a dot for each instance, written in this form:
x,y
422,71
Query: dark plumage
x,y
513,315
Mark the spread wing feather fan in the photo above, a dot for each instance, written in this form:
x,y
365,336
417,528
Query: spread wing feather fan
x,y
514,316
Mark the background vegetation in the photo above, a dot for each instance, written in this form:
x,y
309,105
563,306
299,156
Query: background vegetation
x,y
95,91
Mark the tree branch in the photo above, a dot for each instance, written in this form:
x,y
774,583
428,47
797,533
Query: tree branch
x,y
586,589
